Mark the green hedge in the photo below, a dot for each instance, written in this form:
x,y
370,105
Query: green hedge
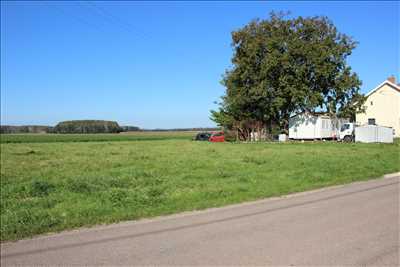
x,y
10,129
87,126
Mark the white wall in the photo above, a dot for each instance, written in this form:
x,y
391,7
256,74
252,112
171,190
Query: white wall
x,y
303,126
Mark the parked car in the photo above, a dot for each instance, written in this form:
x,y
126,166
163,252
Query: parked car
x,y
204,136
217,137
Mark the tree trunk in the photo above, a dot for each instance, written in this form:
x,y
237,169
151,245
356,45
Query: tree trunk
x,y
269,125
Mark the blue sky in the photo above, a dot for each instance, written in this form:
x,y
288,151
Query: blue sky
x,y
154,64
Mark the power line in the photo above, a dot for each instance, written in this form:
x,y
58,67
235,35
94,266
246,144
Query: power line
x,y
115,20
71,15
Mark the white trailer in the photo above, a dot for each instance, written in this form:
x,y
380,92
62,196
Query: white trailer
x,y
314,126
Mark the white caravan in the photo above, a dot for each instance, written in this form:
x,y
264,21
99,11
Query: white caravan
x,y
314,126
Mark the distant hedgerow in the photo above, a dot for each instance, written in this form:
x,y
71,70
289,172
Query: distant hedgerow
x,y
87,126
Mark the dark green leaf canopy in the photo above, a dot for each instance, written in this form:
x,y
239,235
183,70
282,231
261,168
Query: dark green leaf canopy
x,y
285,66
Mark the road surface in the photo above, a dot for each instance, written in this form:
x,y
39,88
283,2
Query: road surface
x,y
356,224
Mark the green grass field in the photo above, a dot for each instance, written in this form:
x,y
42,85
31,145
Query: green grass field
x,y
129,136
52,186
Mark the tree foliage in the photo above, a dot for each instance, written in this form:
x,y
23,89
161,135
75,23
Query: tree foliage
x,y
284,66
10,129
87,126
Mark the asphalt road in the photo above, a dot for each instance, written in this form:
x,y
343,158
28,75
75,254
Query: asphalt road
x,y
356,224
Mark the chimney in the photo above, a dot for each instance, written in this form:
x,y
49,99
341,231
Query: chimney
x,y
392,79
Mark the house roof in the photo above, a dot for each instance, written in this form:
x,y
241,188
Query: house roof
x,y
393,85
317,114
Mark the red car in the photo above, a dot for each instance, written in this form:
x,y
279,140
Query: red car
x,y
217,137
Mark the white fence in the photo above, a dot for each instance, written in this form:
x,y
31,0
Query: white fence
x,y
374,134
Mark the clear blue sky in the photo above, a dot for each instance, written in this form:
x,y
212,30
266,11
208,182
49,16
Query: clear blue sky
x,y
154,64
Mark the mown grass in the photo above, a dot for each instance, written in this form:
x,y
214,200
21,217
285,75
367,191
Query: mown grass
x,y
53,186
129,136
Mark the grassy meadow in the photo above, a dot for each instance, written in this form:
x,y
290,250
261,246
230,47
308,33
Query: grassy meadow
x,y
59,184
128,136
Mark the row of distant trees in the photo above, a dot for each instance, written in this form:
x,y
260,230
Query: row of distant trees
x,y
281,67
8,129
74,126
87,126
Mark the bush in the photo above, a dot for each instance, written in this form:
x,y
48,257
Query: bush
x,y
230,136
87,126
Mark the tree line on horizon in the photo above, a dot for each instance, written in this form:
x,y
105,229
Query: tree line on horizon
x,y
88,126
281,67
73,126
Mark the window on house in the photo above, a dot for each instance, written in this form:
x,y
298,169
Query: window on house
x,y
372,103
371,121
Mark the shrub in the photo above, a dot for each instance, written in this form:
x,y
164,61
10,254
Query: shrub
x,y
230,136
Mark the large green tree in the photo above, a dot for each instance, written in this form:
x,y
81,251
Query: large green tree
x,y
284,66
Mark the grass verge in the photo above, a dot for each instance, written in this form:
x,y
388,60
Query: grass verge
x,y
53,186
